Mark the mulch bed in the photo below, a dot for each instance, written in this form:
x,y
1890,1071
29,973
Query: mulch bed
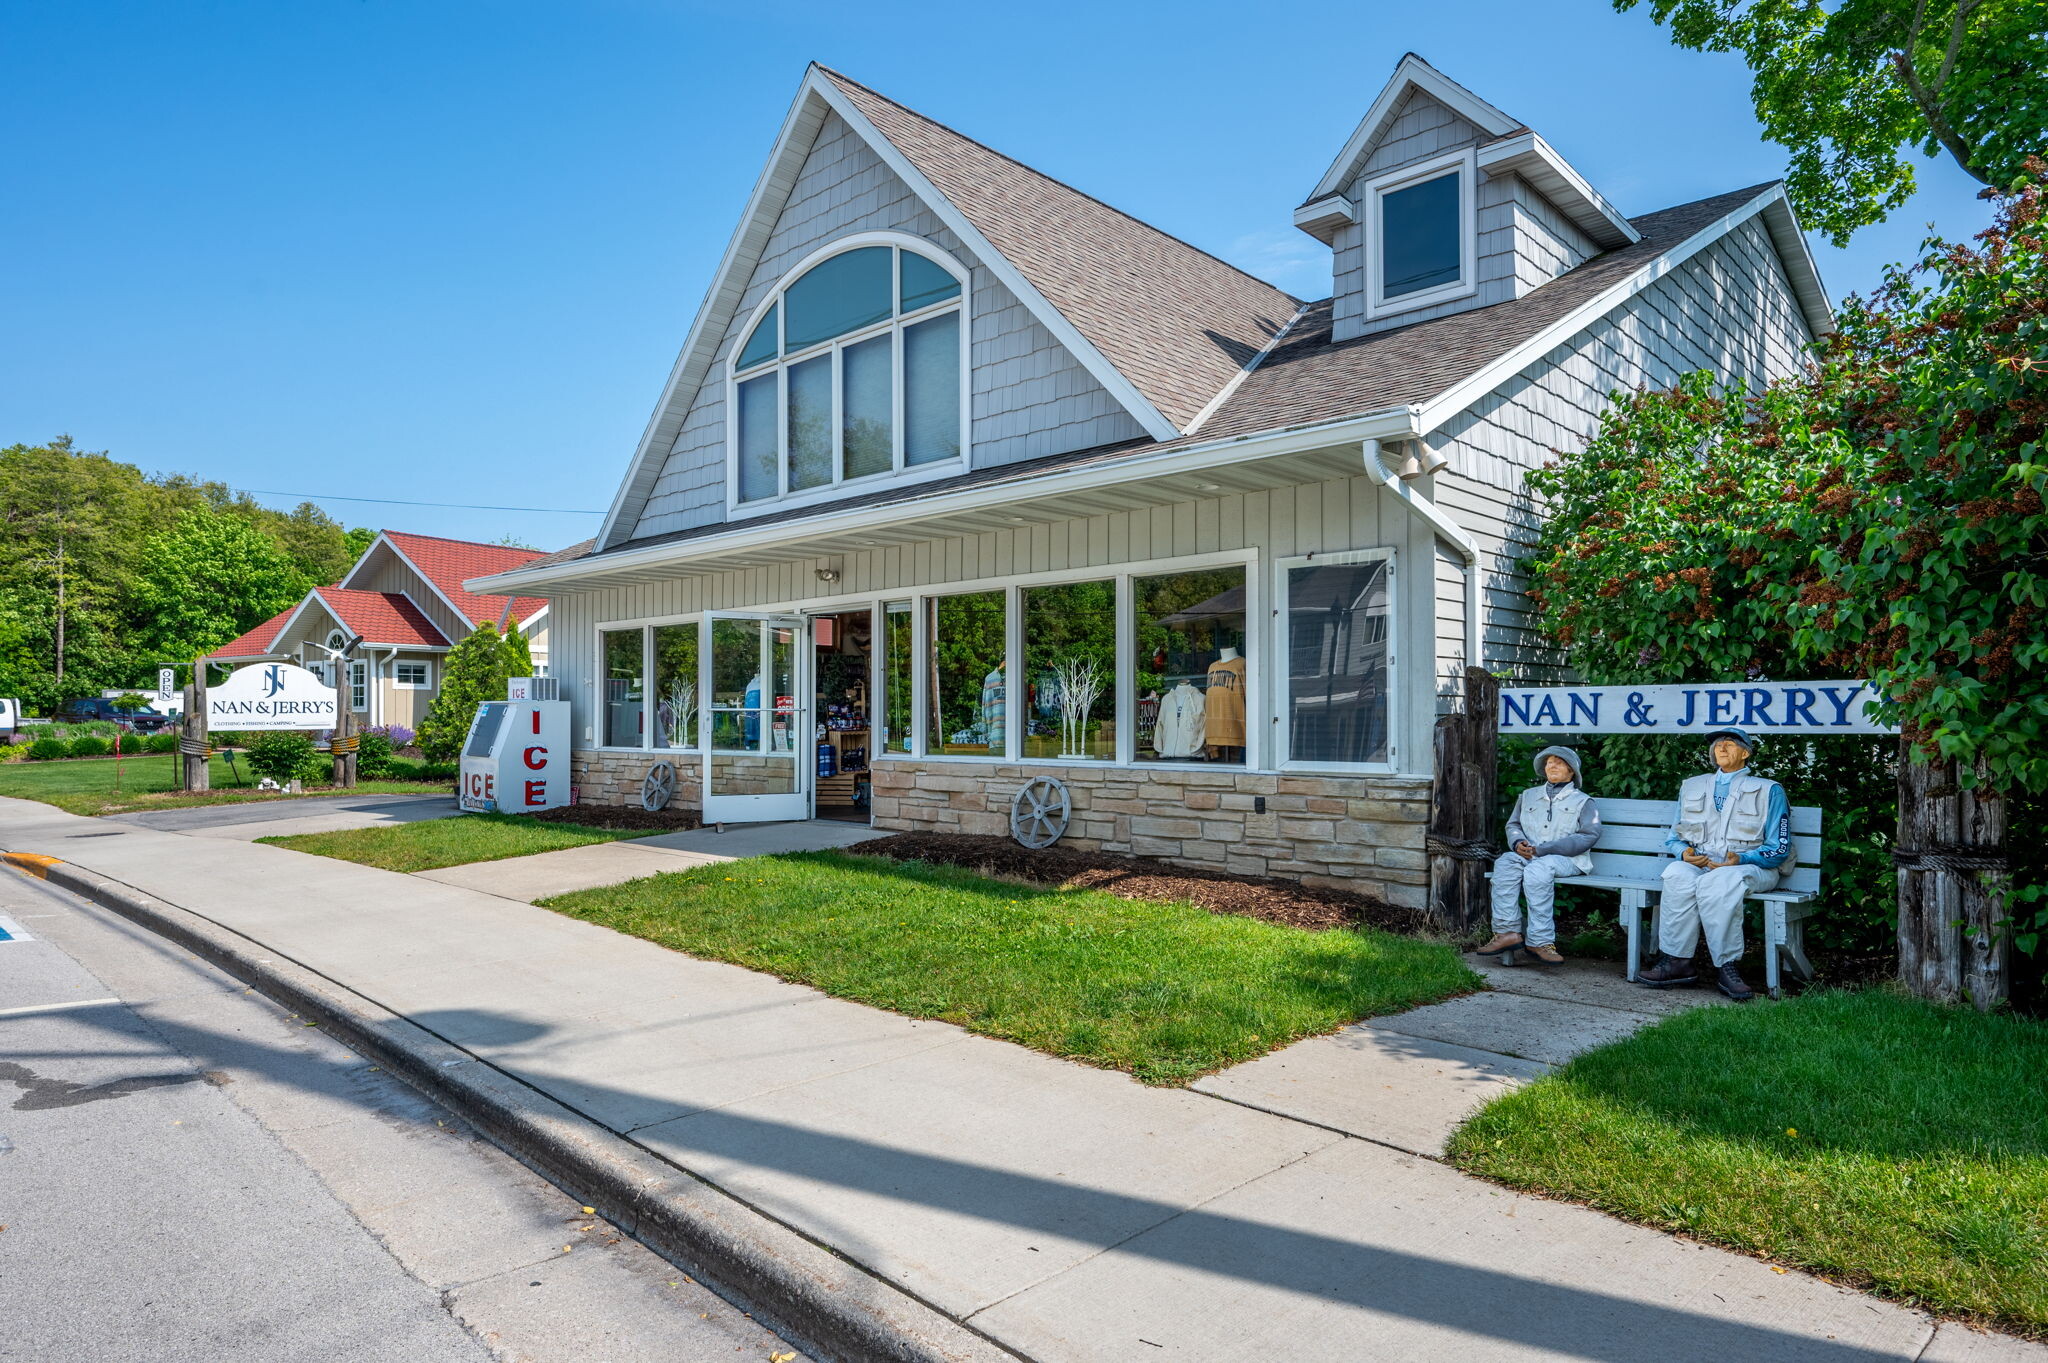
x,y
1275,901
629,818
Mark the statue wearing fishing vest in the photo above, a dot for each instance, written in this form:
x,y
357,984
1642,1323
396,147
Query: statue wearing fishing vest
x,y
1732,833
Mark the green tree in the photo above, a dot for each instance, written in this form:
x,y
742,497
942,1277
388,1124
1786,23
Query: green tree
x,y
475,672
314,541
358,540
518,652
205,580
1847,86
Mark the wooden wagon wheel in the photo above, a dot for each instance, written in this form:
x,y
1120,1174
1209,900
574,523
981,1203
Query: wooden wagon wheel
x,y
1039,812
659,787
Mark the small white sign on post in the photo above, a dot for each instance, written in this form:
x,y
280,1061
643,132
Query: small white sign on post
x,y
272,696
166,684
1829,707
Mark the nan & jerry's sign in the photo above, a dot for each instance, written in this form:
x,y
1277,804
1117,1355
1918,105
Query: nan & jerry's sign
x,y
1833,707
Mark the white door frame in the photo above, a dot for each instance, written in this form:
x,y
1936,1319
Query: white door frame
x,y
795,803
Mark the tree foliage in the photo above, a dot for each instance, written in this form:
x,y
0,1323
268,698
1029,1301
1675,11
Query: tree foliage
x,y
1880,516
206,579
475,671
1849,85
75,530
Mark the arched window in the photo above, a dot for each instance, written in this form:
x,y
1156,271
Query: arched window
x,y
851,370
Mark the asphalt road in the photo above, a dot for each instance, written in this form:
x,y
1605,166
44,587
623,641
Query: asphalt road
x,y
189,1173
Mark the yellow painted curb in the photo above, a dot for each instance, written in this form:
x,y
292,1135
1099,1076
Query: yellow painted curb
x,y
35,863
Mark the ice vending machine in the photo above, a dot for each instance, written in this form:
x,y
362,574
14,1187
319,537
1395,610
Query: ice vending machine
x,y
516,759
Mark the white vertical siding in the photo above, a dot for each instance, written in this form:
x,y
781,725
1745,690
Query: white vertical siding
x,y
1029,397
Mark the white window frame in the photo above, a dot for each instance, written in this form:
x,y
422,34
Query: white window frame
x,y
1277,665
398,674
359,684
1465,165
646,625
900,473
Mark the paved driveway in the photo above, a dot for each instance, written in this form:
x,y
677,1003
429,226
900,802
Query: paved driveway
x,y
270,818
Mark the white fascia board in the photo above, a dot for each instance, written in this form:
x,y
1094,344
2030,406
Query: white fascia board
x,y
1458,397
1797,257
1415,72
1051,318
1391,423
1322,218
728,282
297,611
1536,161
364,557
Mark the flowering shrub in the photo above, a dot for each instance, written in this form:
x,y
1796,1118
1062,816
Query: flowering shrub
x,y
1880,516
284,756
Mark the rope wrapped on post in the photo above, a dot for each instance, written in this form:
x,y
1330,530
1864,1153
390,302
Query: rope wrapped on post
x,y
339,745
194,747
1460,849
1948,856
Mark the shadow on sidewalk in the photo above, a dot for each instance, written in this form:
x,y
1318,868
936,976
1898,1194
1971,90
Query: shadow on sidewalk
x,y
1523,1310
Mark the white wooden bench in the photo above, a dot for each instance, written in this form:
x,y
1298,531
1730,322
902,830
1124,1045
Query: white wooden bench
x,y
1630,859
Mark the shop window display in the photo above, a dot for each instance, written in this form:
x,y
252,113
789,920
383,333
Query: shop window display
x,y
1070,671
625,688
675,685
1191,666
967,704
898,674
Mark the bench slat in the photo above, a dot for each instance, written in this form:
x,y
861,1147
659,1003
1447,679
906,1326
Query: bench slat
x,y
1646,869
1623,838
1660,813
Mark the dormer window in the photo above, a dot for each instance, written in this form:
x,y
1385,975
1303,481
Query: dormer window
x,y
1421,244
853,369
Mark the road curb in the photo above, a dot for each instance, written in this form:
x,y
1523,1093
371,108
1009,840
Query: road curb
x,y
794,1285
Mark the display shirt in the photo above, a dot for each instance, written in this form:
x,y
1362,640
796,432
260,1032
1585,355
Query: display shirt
x,y
1224,718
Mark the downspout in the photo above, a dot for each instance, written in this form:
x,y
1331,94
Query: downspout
x,y
1446,528
384,670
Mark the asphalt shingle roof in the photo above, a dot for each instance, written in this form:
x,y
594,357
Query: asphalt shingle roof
x,y
448,563
1175,321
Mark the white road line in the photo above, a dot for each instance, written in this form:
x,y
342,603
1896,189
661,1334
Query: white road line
x,y
54,1007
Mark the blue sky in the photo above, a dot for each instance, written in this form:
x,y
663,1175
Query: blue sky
x,y
446,250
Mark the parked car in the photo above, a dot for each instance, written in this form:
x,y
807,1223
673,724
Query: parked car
x,y
95,707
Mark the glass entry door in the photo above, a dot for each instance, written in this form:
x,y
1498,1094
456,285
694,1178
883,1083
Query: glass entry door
x,y
757,719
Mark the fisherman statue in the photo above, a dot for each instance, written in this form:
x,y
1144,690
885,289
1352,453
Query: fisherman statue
x,y
1733,832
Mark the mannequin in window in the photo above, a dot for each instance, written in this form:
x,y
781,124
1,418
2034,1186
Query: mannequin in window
x,y
750,719
1223,718
1179,728
995,709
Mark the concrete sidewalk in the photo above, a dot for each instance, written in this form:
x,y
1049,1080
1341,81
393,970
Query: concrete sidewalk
x,y
1066,1212
246,821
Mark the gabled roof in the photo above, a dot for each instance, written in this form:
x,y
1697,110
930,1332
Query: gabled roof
x,y
1161,325
381,618
1176,321
445,564
256,642
1509,146
1311,387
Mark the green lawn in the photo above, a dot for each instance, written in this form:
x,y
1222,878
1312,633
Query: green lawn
x,y
433,843
1165,991
85,785
1883,1141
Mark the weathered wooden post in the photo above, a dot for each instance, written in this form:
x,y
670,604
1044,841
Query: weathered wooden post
x,y
194,747
344,743
1460,842
1954,940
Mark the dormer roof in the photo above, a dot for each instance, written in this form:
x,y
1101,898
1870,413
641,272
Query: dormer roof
x,y
1510,146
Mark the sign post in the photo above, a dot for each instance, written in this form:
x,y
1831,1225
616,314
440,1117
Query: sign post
x,y
194,748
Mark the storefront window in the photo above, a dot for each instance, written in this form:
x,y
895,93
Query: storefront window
x,y
675,685
1337,620
1070,671
968,701
1190,666
736,689
898,672
625,688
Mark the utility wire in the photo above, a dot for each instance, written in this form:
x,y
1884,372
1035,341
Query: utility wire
x,y
392,501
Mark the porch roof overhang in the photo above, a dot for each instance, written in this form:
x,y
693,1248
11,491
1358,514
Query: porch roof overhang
x,y
1146,478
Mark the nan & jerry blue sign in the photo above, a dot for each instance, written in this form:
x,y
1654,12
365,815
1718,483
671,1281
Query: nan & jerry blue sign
x,y
1831,707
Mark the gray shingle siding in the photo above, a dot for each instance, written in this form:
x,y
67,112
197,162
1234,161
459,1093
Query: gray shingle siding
x,y
1728,309
1029,396
1523,243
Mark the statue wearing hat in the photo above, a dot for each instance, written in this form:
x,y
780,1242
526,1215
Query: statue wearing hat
x,y
1733,832
1550,836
